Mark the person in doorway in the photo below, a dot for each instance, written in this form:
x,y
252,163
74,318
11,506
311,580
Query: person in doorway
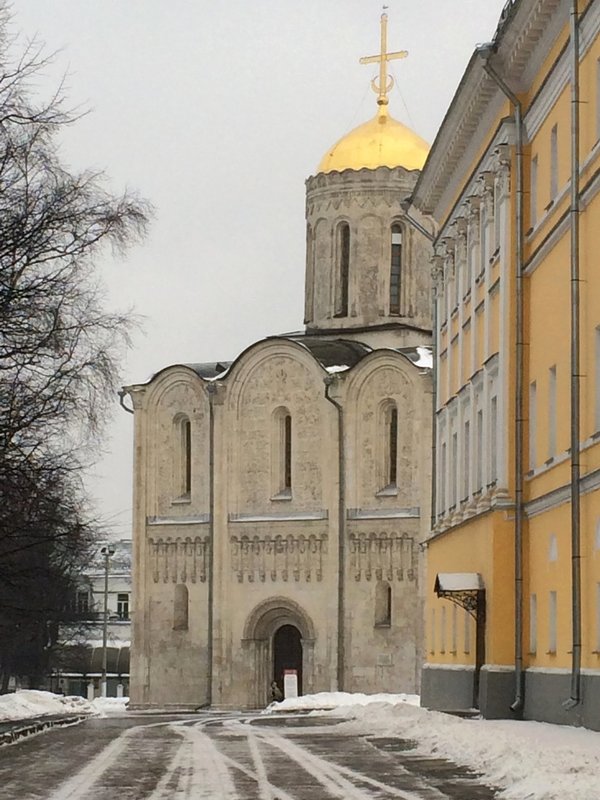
x,y
276,694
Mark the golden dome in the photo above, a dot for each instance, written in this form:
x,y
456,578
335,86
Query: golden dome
x,y
381,142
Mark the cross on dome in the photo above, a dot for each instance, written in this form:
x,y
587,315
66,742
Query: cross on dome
x,y
386,82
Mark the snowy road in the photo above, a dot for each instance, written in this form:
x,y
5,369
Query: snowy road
x,y
224,757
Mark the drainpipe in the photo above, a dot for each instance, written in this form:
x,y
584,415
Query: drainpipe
x,y
211,389
575,697
122,394
432,239
329,379
486,51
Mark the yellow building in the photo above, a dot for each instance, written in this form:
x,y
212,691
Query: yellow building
x,y
513,586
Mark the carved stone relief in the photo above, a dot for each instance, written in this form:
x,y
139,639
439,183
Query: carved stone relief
x,y
284,558
383,556
179,560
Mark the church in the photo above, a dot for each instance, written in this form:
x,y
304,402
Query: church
x,y
280,499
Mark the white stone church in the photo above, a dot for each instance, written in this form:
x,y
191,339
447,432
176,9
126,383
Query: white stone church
x,y
280,499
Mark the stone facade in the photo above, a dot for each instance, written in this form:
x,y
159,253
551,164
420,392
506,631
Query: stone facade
x,y
280,500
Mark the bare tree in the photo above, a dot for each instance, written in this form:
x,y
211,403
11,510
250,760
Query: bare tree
x,y
59,346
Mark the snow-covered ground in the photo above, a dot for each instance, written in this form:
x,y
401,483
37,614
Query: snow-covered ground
x,y
528,760
31,703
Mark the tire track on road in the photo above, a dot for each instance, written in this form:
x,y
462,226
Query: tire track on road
x,y
83,781
335,774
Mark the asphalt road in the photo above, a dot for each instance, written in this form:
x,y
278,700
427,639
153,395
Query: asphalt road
x,y
225,756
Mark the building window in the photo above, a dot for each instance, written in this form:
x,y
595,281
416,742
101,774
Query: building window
x,y
82,602
533,192
553,548
553,162
479,475
484,248
443,630
390,438
383,604
552,412
442,491
552,624
282,454
466,460
496,217
532,424
494,439
310,277
454,470
180,607
395,269
183,457
533,624
597,377
467,646
343,269
453,630
123,605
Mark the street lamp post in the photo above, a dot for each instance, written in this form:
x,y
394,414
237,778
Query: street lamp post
x,y
107,551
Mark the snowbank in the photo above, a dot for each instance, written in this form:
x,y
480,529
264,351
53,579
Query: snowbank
x,y
32,703
527,760
329,700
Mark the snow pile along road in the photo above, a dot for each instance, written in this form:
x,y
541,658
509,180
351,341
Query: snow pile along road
x,y
527,760
329,700
29,703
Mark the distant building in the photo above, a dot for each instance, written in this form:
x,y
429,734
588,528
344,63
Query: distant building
x,y
78,659
279,499
513,179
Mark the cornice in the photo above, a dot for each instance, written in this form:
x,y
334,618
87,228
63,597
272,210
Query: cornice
x,y
478,99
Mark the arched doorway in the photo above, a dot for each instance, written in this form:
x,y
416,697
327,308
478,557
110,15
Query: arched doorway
x,y
277,630
287,654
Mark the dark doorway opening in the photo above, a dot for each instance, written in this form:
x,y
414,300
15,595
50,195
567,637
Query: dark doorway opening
x,y
287,654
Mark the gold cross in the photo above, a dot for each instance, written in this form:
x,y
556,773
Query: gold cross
x,y
386,81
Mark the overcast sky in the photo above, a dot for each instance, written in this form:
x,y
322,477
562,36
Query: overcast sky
x,y
217,112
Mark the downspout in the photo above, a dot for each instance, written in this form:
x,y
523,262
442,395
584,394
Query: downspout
x,y
486,51
211,389
329,379
575,697
122,394
432,239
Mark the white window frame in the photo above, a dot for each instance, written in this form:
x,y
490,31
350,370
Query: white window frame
x,y
552,416
554,162
532,425
552,622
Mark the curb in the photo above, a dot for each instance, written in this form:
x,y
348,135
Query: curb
x,y
22,728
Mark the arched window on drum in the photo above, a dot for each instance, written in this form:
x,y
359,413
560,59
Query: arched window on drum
x,y
395,269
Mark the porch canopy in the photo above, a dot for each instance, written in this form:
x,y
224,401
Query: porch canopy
x,y
466,589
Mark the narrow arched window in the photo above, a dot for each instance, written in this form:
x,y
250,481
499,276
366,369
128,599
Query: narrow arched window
x,y
182,452
383,604
287,452
343,269
395,269
391,435
310,277
282,454
180,607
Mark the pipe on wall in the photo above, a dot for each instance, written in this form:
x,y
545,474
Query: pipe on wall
x,y
432,239
211,389
575,697
486,51
329,379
